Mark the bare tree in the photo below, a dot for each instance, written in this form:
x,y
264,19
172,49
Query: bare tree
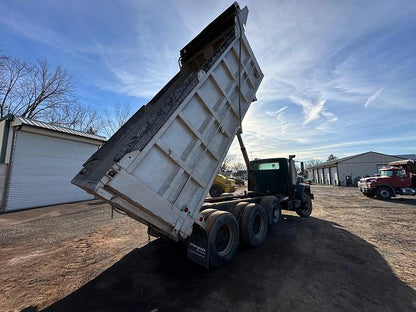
x,y
312,163
76,116
36,91
116,117
331,157
239,166
227,163
12,72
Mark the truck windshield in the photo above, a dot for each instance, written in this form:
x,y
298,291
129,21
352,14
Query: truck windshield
x,y
268,166
387,173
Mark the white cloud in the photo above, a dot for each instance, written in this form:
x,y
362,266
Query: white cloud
x,y
373,97
311,111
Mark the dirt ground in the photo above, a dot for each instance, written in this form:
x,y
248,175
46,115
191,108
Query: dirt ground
x,y
353,254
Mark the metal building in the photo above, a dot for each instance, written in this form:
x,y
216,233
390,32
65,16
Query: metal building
x,y
38,161
347,171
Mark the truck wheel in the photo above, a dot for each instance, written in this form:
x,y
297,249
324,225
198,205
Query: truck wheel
x,y
384,193
273,209
306,208
215,190
369,194
253,225
207,212
222,229
238,209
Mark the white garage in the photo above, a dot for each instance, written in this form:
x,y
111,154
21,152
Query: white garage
x,y
38,161
347,171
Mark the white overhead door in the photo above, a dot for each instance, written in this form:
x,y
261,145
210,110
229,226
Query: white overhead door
x,y
334,175
326,176
41,171
321,175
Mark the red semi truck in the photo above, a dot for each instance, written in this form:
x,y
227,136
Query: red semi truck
x,y
397,179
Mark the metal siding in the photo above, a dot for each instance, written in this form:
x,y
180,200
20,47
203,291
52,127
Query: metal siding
x,y
363,165
42,170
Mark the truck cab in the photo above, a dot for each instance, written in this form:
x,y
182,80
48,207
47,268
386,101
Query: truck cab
x,y
277,176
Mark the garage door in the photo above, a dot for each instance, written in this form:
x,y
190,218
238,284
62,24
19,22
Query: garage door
x,y
334,175
327,177
42,169
315,176
321,176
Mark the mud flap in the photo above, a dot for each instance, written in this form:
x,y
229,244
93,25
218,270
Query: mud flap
x,y
197,246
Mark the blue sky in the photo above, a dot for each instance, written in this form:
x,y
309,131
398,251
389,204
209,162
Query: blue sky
x,y
340,76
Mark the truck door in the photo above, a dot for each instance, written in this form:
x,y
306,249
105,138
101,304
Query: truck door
x,y
401,179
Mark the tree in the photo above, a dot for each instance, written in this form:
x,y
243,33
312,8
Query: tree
x,y
115,118
331,157
312,163
34,90
238,166
227,163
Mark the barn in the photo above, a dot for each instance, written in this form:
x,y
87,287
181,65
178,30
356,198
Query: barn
x,y
347,171
38,161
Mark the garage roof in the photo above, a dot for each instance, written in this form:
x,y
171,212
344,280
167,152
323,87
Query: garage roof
x,y
44,125
338,160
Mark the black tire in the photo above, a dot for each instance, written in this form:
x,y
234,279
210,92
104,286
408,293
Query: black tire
x,y
274,211
207,212
384,193
216,190
253,225
369,194
238,209
306,208
223,234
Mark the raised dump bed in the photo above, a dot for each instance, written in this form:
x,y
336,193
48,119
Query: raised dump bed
x,y
159,166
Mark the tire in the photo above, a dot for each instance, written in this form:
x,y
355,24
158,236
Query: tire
x,y
223,234
369,194
253,225
207,212
274,211
384,193
216,190
306,208
238,209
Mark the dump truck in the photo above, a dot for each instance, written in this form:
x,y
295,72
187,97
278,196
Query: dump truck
x,y
159,166
399,178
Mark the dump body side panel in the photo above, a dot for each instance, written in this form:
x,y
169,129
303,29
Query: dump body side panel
x,y
162,180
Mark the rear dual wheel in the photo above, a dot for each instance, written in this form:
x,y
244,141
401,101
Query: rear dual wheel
x,y
273,210
223,234
253,221
224,229
253,225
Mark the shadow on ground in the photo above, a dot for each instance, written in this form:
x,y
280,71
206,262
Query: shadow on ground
x,y
305,265
404,200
